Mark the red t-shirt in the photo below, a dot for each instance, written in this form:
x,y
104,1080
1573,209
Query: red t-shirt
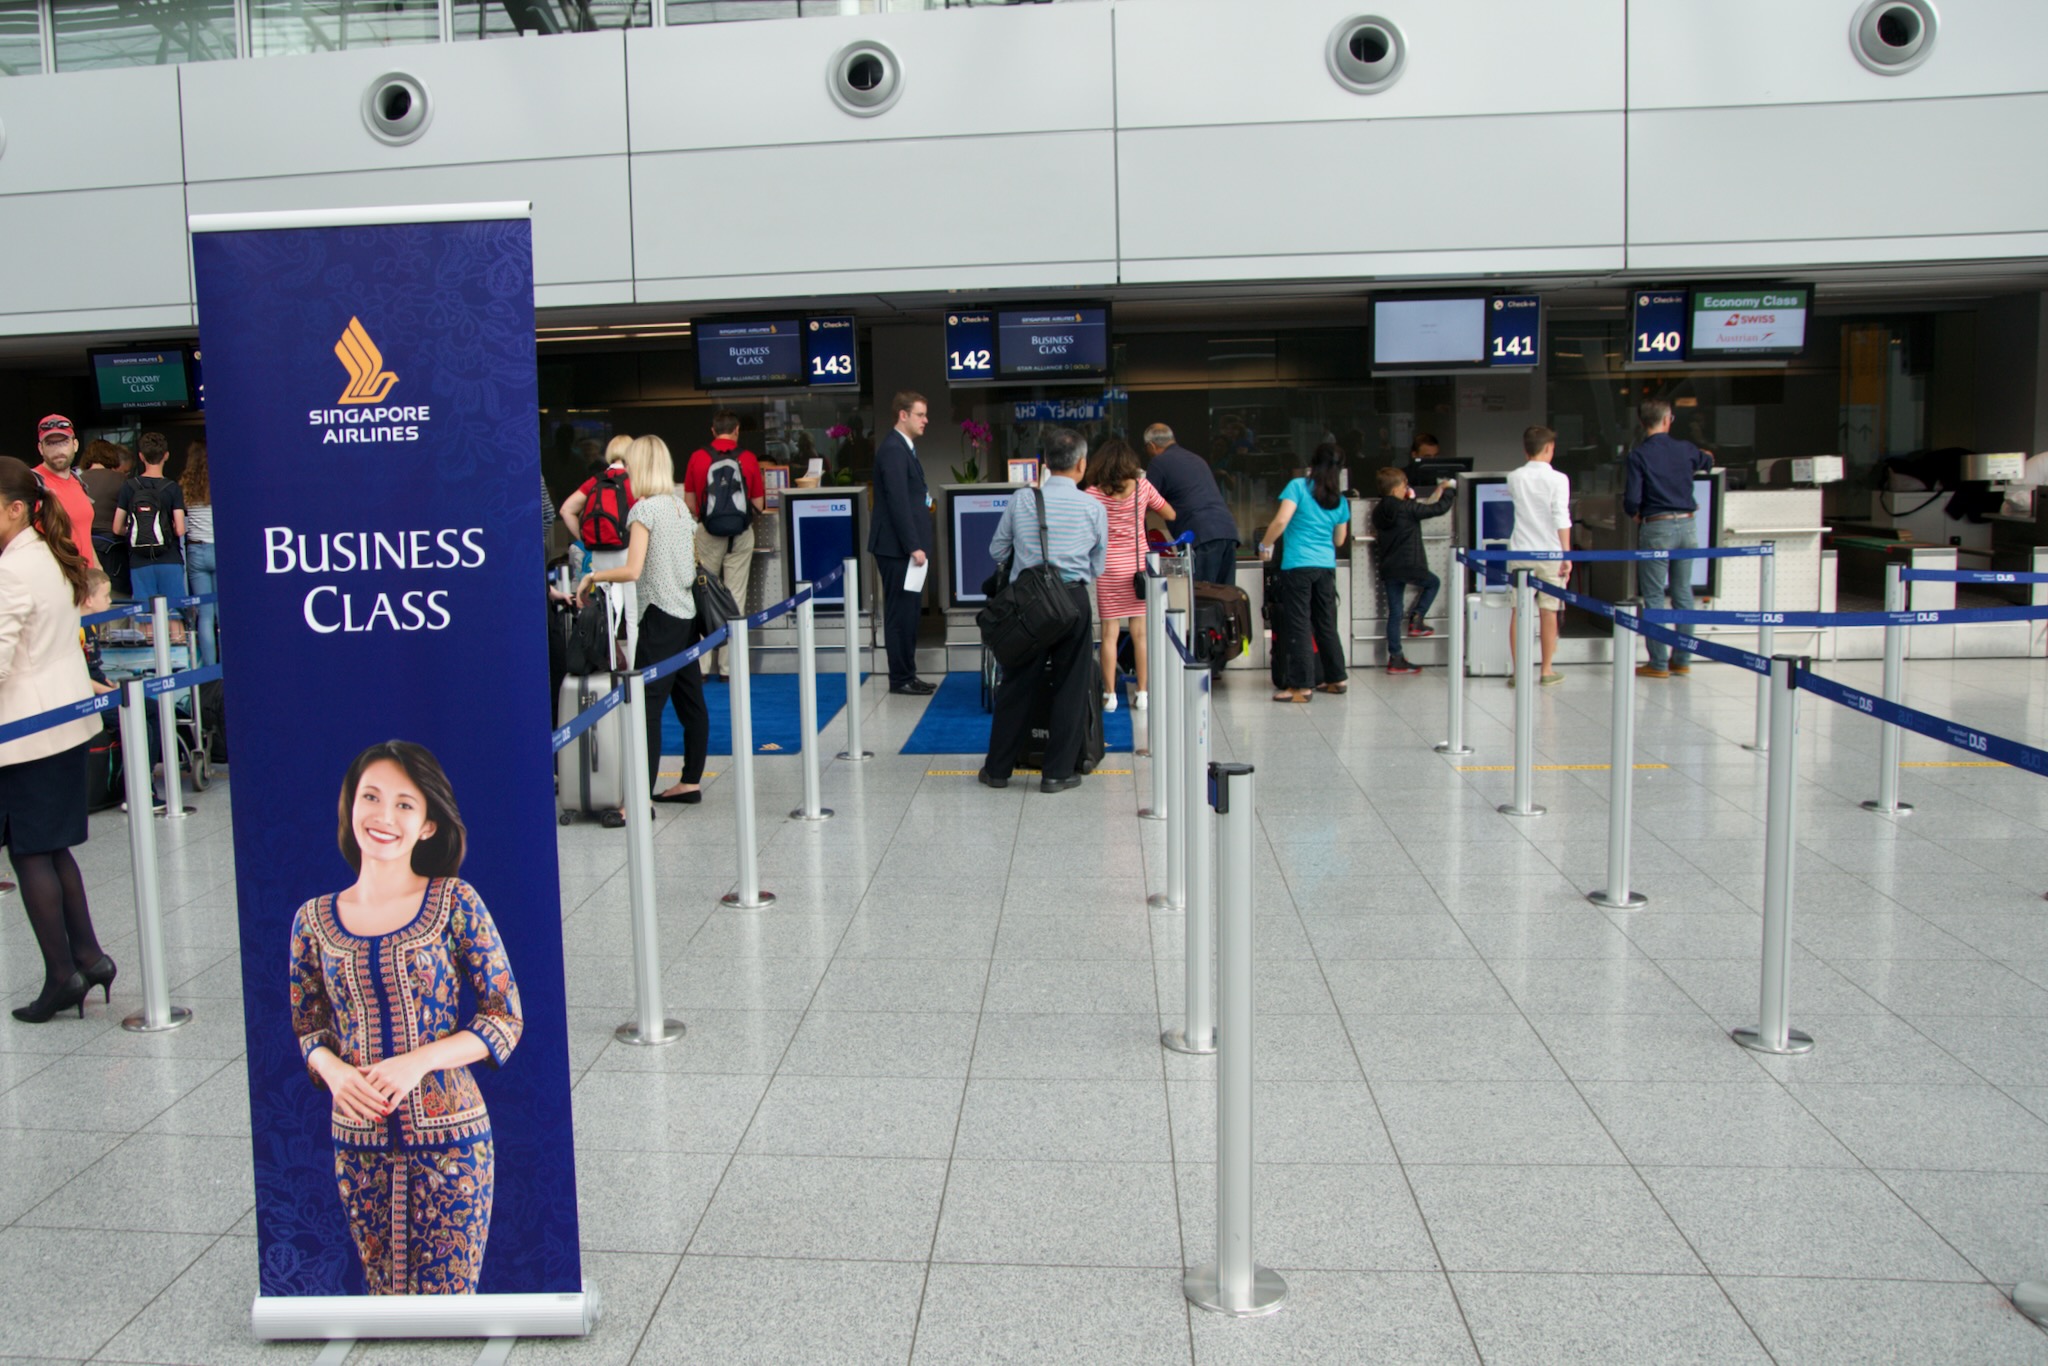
x,y
698,472
70,491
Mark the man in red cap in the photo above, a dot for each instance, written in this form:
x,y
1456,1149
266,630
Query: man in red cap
x,y
59,446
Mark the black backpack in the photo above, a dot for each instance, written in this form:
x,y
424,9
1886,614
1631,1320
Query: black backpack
x,y
726,509
604,513
146,515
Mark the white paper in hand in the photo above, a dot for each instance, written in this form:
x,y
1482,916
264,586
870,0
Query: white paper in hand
x,y
816,469
913,577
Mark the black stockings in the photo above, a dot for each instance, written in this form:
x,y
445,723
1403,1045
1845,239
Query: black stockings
x,y
54,895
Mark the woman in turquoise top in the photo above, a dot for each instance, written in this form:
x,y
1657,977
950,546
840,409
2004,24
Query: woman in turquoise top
x,y
1316,517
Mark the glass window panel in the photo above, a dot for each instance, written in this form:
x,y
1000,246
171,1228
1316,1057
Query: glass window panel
x,y
509,18
95,34
281,27
21,44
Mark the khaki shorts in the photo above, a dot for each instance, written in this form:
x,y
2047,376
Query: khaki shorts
x,y
1550,572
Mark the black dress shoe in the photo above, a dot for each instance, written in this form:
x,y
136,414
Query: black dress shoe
x,y
987,779
1058,784
916,687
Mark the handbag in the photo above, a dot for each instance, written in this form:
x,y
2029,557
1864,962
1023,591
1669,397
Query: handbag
x,y
1033,612
715,605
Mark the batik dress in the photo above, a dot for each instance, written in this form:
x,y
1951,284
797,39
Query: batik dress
x,y
416,1185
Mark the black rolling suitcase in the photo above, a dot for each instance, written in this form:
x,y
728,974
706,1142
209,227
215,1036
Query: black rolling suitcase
x,y
1092,744
1223,623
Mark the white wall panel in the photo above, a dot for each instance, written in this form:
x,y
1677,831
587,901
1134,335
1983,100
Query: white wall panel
x,y
951,221
91,130
1187,62
579,229
1009,70
1735,52
502,101
1898,175
1499,185
92,250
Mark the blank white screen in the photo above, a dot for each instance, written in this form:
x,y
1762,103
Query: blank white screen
x,y
1428,331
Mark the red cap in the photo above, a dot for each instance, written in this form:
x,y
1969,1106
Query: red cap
x,y
55,422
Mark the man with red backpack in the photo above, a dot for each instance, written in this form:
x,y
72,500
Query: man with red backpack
x,y
596,516
724,491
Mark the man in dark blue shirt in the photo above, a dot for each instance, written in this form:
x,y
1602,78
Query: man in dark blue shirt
x,y
1186,482
1659,496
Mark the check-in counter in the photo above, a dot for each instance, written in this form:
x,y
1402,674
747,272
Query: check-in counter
x,y
1367,609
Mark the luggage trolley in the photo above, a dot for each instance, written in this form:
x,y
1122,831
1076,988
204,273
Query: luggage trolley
x,y
126,653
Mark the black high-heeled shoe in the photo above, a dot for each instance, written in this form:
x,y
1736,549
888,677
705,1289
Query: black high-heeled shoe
x,y
101,975
55,996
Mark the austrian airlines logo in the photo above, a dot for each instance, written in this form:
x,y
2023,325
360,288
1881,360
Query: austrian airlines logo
x,y
368,380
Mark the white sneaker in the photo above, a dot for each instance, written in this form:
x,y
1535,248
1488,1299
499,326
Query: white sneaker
x,y
1109,703
1137,701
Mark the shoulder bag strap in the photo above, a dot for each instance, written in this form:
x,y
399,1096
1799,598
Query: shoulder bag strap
x,y
1044,549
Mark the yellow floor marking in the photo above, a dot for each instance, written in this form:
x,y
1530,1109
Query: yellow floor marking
x,y
1546,768
1951,763
970,772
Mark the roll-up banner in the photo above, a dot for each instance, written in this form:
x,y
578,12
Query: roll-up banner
x,y
373,430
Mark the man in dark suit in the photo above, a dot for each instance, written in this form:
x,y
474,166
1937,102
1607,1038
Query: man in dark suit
x,y
900,535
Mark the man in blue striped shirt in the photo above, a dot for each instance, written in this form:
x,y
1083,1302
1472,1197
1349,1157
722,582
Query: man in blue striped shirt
x,y
1075,543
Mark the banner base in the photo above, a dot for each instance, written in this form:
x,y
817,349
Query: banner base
x,y
286,1317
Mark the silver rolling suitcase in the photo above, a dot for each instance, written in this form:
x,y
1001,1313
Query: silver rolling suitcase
x,y
590,771
1486,634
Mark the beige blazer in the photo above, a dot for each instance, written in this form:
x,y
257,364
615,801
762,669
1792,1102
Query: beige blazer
x,y
42,664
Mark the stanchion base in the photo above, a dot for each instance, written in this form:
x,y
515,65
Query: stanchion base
x,y
1158,901
1455,751
671,1030
1898,809
824,814
139,1024
1756,749
1177,1040
1797,1041
734,900
178,815
1510,809
2031,1299
1146,813
1204,1290
1628,901
859,758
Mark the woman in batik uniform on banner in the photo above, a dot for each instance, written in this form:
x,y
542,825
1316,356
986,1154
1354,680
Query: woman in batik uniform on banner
x,y
377,978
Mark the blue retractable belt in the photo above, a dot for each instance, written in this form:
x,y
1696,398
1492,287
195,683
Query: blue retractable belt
x,y
1716,552
1921,723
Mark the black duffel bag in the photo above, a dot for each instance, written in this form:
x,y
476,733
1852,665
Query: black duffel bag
x,y
1033,611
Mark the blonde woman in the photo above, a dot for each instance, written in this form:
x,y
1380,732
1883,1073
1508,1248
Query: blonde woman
x,y
661,560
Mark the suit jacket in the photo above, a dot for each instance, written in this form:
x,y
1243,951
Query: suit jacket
x,y
901,522
42,663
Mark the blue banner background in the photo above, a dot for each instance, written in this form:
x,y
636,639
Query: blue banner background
x,y
450,307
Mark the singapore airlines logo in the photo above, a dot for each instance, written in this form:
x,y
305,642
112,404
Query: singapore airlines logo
x,y
368,380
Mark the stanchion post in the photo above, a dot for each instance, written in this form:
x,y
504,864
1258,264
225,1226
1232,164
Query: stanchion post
x,y
739,689
807,707
1621,772
1888,803
1168,737
166,714
157,1013
1454,742
849,587
1234,1284
649,1026
1524,803
1156,657
1766,642
1773,1032
1197,1033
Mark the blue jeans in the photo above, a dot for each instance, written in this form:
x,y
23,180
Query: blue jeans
x,y
1214,562
1666,582
146,581
1425,596
199,576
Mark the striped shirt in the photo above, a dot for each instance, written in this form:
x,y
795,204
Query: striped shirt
x,y
1076,532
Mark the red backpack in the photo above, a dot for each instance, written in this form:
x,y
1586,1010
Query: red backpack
x,y
604,512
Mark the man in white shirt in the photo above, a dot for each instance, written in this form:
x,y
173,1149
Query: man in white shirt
x,y
1543,521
